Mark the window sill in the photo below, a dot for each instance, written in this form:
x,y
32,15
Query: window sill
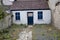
x,y
40,19
17,20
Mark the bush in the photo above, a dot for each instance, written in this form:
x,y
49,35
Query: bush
x,y
2,12
6,31
6,36
21,24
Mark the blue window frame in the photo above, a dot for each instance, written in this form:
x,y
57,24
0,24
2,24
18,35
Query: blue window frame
x,y
40,15
17,15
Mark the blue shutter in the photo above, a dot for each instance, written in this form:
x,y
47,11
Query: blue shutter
x,y
40,15
17,14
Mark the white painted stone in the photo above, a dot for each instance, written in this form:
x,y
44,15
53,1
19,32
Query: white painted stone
x,y
23,17
7,2
30,26
24,35
8,11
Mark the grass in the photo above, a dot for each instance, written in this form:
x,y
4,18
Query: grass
x,y
11,33
45,30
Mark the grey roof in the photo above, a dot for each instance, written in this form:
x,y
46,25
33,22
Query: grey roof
x,y
29,4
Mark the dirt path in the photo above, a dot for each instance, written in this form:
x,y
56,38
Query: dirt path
x,y
26,34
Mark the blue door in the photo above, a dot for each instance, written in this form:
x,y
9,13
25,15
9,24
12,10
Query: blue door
x,y
30,18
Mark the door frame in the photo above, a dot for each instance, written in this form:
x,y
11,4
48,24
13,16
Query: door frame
x,y
32,17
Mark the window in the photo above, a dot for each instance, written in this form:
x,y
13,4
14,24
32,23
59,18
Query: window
x,y
17,14
30,14
40,15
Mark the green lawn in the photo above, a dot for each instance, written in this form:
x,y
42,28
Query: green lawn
x,y
11,33
47,32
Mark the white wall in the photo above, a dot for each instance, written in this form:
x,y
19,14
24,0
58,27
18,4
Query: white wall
x,y
7,2
23,19
46,17
23,16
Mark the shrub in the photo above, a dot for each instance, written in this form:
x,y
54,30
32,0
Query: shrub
x,y
6,36
2,12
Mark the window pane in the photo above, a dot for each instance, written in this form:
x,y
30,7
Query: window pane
x,y
17,17
40,15
17,14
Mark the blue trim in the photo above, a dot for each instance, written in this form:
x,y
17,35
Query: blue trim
x,y
17,15
40,15
30,18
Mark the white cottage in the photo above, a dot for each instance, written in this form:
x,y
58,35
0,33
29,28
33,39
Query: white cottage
x,y
30,12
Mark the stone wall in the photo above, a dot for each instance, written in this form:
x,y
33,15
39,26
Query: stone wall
x,y
52,4
55,12
56,17
6,22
